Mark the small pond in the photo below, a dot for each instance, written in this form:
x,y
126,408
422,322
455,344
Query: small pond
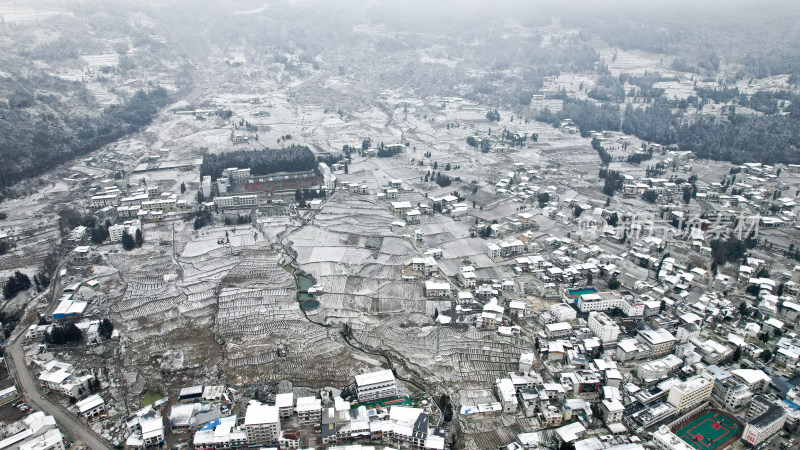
x,y
308,305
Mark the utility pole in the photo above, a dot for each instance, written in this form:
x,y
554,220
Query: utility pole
x,y
438,334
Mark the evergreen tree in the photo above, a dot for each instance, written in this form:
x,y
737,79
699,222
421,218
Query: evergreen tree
x,y
128,242
64,334
105,329
98,234
138,239
183,187
16,283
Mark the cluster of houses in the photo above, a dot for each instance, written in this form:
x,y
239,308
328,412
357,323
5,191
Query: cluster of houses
x,y
299,422
639,358
36,431
147,204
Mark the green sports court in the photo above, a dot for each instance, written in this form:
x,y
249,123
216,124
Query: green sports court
x,y
711,430
385,402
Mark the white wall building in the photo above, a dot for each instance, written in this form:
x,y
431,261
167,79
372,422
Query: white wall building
x,y
764,419
507,394
689,393
375,385
262,423
603,327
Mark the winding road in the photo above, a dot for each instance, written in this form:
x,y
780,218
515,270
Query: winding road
x,y
68,422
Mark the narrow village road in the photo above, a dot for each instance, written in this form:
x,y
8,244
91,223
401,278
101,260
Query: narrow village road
x,y
29,388
68,422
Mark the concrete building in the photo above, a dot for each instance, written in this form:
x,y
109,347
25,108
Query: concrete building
x,y
308,410
764,419
437,289
91,406
205,186
507,394
612,410
375,385
687,394
39,431
50,440
236,201
659,368
558,330
285,404
146,428
603,327
664,439
660,341
563,313
262,424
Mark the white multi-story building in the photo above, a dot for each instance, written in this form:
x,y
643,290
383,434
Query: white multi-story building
x,y
603,327
147,429
308,409
687,331
262,424
205,186
236,201
375,385
116,231
285,404
612,410
658,369
558,330
435,289
664,439
660,340
563,313
597,302
764,419
507,394
61,377
225,435
39,432
467,277
731,394
606,301
103,200
236,175
689,393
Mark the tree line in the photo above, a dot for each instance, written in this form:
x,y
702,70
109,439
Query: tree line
x,y
32,142
737,138
296,158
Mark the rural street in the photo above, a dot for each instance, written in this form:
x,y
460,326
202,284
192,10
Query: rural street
x,y
68,422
